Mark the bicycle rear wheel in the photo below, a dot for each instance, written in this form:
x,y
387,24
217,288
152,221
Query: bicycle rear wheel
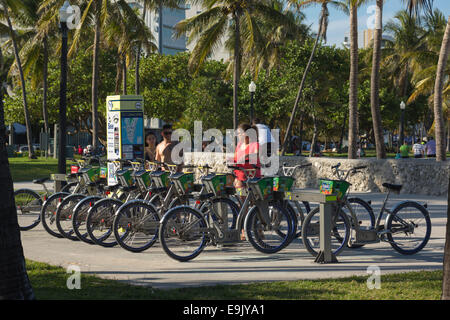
x,y
136,226
364,216
79,216
273,237
28,205
183,233
340,231
99,222
410,227
64,213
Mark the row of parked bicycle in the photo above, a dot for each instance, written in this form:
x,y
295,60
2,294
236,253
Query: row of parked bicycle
x,y
155,201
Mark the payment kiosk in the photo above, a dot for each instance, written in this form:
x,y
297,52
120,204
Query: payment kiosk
x,y
125,130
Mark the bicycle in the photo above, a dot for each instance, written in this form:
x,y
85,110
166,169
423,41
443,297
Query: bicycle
x,y
135,225
397,223
88,184
133,184
29,203
299,212
185,231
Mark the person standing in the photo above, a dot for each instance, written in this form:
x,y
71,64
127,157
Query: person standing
x,y
404,150
265,138
430,148
245,151
150,146
165,147
418,149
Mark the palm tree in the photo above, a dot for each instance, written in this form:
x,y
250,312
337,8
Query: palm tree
x,y
238,19
375,84
125,30
14,281
150,5
353,81
323,24
15,6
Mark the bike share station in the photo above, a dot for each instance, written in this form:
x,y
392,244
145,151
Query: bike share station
x,y
326,202
125,131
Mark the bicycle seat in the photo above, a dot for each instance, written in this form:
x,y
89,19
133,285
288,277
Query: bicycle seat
x,y
40,181
394,187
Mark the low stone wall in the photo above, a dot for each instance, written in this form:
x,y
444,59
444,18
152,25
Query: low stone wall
x,y
418,176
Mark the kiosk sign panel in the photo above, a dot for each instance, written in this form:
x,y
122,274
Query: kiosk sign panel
x,y
125,128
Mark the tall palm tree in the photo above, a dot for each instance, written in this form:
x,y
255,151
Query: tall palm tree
x,y
375,83
8,7
35,49
323,25
353,80
14,281
125,30
150,5
235,18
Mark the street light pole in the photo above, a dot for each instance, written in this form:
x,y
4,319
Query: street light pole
x,y
63,17
251,89
402,125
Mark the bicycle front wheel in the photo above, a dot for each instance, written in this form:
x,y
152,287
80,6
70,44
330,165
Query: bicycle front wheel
x,y
28,205
273,236
48,213
410,228
136,226
183,233
64,213
340,231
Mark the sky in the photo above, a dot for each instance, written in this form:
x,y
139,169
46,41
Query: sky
x,y
339,22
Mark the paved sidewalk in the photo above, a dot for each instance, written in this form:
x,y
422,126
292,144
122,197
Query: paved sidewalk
x,y
241,263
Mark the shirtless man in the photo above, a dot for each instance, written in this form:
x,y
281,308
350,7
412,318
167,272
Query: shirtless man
x,y
165,147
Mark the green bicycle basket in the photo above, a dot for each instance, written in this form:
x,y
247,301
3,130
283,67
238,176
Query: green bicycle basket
x,y
160,178
184,182
327,186
283,184
125,177
262,187
217,183
91,174
143,178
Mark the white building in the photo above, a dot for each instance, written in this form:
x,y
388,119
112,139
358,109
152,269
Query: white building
x,y
161,23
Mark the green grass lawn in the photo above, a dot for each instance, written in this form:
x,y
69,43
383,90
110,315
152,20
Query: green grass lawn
x,y
25,169
49,282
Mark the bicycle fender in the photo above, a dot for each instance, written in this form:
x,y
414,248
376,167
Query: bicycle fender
x,y
96,198
399,204
123,205
182,206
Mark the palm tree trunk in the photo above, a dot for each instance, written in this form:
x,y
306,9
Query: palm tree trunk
x,y
14,281
45,93
137,83
439,126
302,84
353,95
45,85
22,81
314,137
124,75
237,68
375,85
95,75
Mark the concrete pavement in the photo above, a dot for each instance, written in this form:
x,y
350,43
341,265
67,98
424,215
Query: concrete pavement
x,y
240,263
